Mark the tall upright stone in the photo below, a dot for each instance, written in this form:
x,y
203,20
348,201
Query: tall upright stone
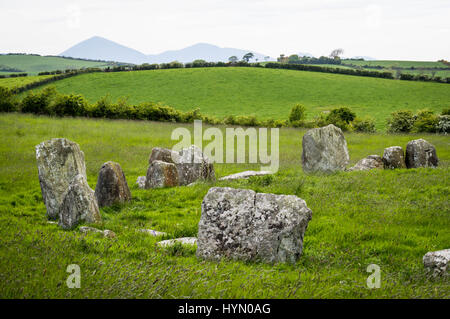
x,y
394,157
324,150
420,153
193,165
112,186
161,174
59,161
241,224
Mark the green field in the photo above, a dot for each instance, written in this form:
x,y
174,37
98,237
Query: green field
x,y
34,64
390,218
266,93
16,82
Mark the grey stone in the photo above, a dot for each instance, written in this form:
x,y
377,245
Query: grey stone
x,y
161,174
112,186
324,150
59,161
245,175
420,153
182,241
393,157
164,155
242,224
193,165
152,232
140,181
368,163
79,205
437,262
106,233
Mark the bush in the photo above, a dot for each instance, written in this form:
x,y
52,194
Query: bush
x,y
297,114
343,113
72,105
365,125
426,121
39,103
401,121
443,124
7,103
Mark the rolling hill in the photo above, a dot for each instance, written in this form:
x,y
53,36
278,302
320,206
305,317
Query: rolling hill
x,y
266,93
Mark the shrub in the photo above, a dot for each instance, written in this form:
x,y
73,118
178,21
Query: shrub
x,y
39,103
426,121
400,121
7,103
297,114
190,116
72,105
343,113
365,125
443,124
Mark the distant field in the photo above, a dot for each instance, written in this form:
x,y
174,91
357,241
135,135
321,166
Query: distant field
x,y
21,81
266,93
34,64
401,64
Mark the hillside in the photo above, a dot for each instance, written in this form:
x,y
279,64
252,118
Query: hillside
x,y
33,64
266,93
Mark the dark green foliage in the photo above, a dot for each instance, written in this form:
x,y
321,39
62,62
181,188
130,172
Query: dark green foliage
x,y
401,121
7,100
425,121
297,114
364,125
39,103
446,111
72,105
343,113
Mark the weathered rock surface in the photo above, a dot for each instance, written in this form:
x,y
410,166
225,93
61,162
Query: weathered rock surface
x,y
106,233
79,204
164,155
244,175
59,161
112,186
140,181
193,165
420,153
241,224
368,163
437,262
394,157
324,150
152,232
161,174
183,241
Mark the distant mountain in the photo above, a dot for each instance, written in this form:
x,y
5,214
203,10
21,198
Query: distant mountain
x,y
99,48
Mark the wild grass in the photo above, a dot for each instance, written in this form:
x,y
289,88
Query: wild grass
x,y
390,218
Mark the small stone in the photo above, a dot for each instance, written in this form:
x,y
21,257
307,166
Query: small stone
x,y
183,241
141,181
112,186
109,233
368,163
437,262
393,157
152,232
87,229
420,153
245,175
161,174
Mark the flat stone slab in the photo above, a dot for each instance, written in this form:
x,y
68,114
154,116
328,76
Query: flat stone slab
x,y
437,261
244,175
183,241
152,232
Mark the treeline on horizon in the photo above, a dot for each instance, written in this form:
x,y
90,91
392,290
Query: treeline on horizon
x,y
50,102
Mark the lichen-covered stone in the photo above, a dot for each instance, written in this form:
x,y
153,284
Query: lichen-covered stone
x,y
245,175
112,186
161,174
193,165
79,205
420,153
437,262
394,157
324,150
242,224
59,161
368,163
164,155
182,241
140,181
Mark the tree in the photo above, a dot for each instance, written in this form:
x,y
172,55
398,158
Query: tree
x,y
336,53
233,59
248,56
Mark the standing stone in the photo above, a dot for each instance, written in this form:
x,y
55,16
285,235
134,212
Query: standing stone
x,y
393,157
420,153
368,163
111,185
164,155
193,165
79,205
324,150
140,181
59,161
437,261
161,174
241,224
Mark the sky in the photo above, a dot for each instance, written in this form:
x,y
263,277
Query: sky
x,y
383,29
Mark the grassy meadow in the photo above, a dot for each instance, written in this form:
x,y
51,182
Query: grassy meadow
x,y
390,218
266,93
17,82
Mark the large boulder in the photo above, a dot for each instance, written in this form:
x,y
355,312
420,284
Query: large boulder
x,y
241,224
324,150
161,174
437,262
111,185
79,205
393,157
193,165
59,161
420,153
368,163
164,155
